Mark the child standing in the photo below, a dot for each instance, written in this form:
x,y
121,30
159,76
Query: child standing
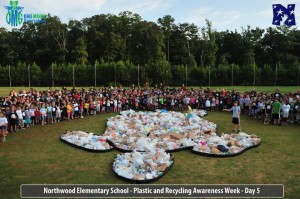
x,y
236,111
268,112
54,109
76,110
91,107
32,114
111,105
13,119
137,102
69,110
97,106
107,106
7,115
3,127
104,105
213,104
43,112
37,115
58,114
276,107
81,105
20,117
247,103
217,104
119,105
172,103
115,105
27,117
286,110
49,113
207,104
86,107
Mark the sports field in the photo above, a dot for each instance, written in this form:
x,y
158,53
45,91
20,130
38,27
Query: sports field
x,y
36,155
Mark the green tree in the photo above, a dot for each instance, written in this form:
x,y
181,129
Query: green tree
x,y
167,24
79,54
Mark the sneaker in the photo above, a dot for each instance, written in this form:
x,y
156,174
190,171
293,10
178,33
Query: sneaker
x,y
239,130
233,130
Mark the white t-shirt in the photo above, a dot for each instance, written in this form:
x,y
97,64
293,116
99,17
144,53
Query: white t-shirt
x,y
3,121
207,103
286,108
19,113
75,106
31,111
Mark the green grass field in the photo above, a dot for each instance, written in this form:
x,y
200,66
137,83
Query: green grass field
x,y
284,89
36,155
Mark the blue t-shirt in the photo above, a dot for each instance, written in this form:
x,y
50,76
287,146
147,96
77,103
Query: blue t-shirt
x,y
235,111
241,101
49,109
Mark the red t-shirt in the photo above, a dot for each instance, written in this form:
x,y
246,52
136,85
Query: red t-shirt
x,y
37,113
91,104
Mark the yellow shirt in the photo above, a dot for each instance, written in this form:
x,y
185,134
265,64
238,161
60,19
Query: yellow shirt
x,y
189,110
69,108
86,105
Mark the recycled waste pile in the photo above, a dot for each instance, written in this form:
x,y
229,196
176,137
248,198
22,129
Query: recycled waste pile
x,y
148,130
143,166
150,137
86,140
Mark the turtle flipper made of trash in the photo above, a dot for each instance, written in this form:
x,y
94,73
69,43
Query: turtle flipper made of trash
x,y
86,141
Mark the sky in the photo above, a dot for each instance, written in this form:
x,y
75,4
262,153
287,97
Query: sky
x,y
224,14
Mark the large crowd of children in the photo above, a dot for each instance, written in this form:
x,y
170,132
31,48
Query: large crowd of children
x,y
23,109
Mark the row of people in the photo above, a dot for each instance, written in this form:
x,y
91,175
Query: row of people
x,y
26,108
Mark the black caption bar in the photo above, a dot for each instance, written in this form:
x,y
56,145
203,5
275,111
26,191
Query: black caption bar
x,y
152,191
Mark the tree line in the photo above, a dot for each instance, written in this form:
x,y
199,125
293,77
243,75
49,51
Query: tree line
x,y
123,49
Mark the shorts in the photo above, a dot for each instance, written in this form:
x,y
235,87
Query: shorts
x,y
2,127
49,115
285,114
235,120
246,107
27,121
13,122
189,116
275,116
32,117
20,121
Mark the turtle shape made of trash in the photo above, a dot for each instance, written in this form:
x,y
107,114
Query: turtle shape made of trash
x,y
149,137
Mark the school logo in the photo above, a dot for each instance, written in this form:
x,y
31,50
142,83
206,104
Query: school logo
x,y
284,15
14,16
